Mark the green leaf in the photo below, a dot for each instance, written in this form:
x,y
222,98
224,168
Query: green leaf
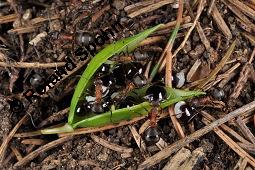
x,y
142,109
126,45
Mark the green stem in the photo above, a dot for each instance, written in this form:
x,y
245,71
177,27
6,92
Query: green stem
x,y
63,129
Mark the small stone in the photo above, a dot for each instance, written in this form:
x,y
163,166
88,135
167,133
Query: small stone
x,y
119,4
102,157
55,25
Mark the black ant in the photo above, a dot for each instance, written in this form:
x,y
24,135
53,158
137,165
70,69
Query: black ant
x,y
154,94
130,74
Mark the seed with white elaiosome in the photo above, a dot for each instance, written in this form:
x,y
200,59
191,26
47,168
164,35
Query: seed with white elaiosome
x,y
179,79
178,109
218,94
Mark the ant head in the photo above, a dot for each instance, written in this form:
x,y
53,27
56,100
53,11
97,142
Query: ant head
x,y
139,81
155,93
128,102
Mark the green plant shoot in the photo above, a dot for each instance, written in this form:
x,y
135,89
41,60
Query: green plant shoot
x,y
115,116
126,45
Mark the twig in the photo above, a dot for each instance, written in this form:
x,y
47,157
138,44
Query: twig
x,y
233,145
247,10
32,65
139,141
239,14
210,7
221,23
53,117
40,150
111,146
150,8
181,143
225,128
9,137
8,18
212,75
245,130
244,75
33,142
168,72
199,11
176,161
16,153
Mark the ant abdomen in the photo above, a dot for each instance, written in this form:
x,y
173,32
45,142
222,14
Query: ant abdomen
x,y
156,93
152,135
128,102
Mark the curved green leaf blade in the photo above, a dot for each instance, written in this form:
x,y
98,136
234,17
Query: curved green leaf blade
x,y
174,96
125,45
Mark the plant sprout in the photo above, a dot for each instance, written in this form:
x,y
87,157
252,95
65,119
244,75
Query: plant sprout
x,y
114,116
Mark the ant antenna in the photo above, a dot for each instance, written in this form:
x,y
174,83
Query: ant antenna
x,y
32,121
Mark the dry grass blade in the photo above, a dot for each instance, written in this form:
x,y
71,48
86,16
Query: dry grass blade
x,y
139,141
199,11
40,150
176,161
16,153
244,75
239,14
244,8
33,142
168,72
8,18
111,146
245,130
221,23
181,143
218,67
150,8
250,37
32,65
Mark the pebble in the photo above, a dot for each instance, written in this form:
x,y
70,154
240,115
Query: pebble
x,y
119,4
36,80
198,51
102,156
218,94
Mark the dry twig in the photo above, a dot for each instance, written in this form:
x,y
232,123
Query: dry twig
x,y
32,65
40,150
111,146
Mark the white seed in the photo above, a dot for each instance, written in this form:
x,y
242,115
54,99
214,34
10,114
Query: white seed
x,y
177,109
175,5
181,79
38,38
27,15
